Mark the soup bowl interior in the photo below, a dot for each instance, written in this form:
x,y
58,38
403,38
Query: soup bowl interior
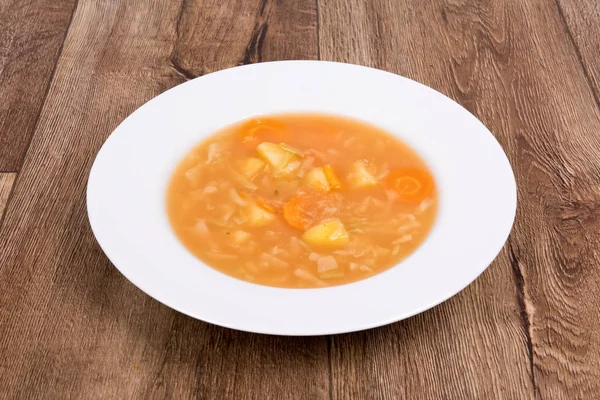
x,y
128,182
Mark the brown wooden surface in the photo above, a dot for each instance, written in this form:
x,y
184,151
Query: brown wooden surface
x,y
6,184
31,35
72,327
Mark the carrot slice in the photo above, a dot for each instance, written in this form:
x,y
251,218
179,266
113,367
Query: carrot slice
x,y
305,210
413,185
259,130
334,181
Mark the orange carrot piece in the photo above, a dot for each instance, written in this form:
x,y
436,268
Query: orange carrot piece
x,y
260,130
413,185
305,210
332,178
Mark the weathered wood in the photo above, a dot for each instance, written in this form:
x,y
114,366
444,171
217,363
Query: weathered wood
x,y
31,34
72,327
6,183
216,35
529,326
70,324
583,26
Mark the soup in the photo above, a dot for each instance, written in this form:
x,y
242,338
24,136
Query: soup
x,y
301,201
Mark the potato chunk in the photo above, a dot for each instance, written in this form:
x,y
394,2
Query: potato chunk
x,y
256,216
328,234
316,180
275,155
251,167
362,175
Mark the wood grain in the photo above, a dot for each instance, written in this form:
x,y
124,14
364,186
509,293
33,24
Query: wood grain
x,y
215,35
31,34
70,324
72,327
582,18
528,327
6,183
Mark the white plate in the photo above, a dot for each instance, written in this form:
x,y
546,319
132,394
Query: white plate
x,y
126,196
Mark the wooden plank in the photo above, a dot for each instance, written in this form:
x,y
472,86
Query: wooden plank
x,y
217,35
528,327
6,184
31,35
583,25
70,324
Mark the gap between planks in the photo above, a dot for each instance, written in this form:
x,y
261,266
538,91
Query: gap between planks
x,y
7,180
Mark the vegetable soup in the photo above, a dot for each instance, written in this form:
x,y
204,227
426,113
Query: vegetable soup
x,y
301,201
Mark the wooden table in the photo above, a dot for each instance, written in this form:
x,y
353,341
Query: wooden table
x,y
72,327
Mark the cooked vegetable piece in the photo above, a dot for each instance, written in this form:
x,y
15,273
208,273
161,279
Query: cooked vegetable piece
x,y
328,234
243,181
256,216
215,151
362,175
276,156
269,260
251,167
236,198
261,203
240,237
307,276
334,181
287,170
304,210
413,185
327,268
316,180
201,228
260,130
194,174
292,149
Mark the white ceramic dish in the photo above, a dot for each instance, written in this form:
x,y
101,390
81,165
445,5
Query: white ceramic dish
x,y
127,184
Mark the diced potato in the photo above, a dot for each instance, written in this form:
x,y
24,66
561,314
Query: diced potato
x,y
330,234
251,167
361,177
316,179
240,237
275,155
256,216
